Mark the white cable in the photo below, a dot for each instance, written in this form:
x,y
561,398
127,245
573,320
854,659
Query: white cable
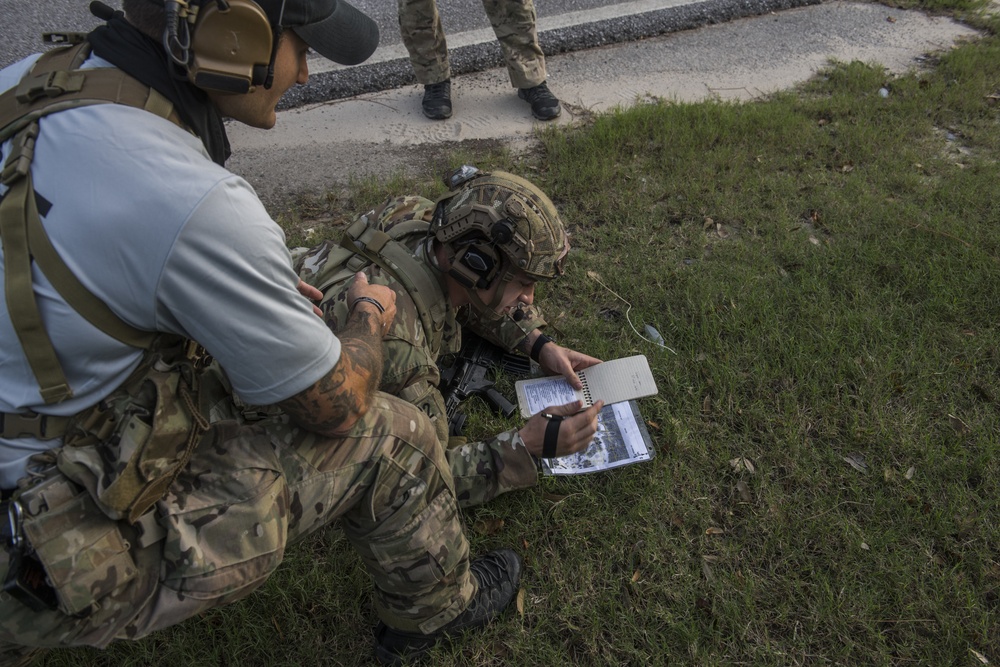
x,y
593,276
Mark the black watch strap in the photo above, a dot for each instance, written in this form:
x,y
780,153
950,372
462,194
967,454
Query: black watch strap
x,y
536,347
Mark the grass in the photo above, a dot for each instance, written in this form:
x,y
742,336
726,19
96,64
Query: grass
x,y
826,266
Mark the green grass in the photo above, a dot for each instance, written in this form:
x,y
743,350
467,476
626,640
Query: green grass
x,y
826,266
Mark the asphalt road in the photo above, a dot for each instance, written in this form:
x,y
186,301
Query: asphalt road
x,y
25,20
564,26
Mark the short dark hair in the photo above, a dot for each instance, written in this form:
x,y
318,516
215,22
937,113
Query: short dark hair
x,y
147,16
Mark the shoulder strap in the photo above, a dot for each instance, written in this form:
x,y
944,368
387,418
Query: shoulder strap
x,y
396,259
54,84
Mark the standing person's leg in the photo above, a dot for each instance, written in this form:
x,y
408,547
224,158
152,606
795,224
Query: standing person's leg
x,y
424,39
514,23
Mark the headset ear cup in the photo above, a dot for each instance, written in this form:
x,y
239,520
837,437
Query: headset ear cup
x,y
231,50
475,266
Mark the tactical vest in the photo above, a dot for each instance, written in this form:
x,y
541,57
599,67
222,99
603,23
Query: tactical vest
x,y
364,243
150,424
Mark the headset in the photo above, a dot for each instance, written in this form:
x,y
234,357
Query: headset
x,y
475,265
477,260
226,46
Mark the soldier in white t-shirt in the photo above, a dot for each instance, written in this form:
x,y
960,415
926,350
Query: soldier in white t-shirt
x,y
150,307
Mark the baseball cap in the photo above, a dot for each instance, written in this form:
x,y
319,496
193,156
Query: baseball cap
x,y
332,28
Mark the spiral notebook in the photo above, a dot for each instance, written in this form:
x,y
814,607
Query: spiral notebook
x,y
613,381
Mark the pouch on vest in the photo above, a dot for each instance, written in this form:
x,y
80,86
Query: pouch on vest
x,y
129,449
83,551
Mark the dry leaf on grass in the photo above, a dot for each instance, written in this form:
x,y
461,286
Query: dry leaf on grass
x,y
520,602
712,530
488,526
979,656
741,463
857,461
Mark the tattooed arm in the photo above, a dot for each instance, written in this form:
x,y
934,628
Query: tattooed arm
x,y
333,404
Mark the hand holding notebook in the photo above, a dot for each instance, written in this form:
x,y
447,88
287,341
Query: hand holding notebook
x,y
614,381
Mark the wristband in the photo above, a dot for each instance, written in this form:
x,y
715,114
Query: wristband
x,y
551,437
368,299
536,348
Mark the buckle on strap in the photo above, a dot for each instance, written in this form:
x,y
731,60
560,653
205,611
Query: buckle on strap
x,y
22,152
32,425
49,84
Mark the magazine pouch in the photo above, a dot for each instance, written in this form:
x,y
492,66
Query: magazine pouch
x,y
83,553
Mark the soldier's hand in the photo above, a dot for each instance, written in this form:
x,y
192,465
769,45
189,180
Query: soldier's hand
x,y
312,294
573,430
558,360
361,295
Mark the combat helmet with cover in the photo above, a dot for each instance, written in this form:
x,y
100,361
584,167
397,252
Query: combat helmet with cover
x,y
493,225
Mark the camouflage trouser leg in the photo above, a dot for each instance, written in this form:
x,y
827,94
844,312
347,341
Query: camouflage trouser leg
x,y
484,470
423,36
397,504
514,24
248,491
12,655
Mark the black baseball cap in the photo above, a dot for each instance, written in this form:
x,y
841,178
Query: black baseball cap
x,y
332,28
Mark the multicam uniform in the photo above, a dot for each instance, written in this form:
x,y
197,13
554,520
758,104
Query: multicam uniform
x,y
513,22
481,470
174,243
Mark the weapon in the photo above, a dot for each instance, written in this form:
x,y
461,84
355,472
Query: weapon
x,y
470,375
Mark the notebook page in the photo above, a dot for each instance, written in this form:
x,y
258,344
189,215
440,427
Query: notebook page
x,y
618,380
537,394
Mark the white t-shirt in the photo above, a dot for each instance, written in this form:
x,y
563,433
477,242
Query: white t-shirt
x,y
171,242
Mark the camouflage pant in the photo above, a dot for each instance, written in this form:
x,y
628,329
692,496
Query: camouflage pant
x,y
513,22
248,492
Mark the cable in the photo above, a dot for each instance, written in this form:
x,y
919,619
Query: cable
x,y
593,276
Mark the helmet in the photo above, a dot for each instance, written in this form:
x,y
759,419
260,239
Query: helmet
x,y
493,224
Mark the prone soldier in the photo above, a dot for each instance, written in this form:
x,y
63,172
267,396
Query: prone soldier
x,y
472,258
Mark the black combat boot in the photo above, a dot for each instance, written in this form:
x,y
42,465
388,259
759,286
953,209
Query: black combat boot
x,y
497,575
544,105
437,100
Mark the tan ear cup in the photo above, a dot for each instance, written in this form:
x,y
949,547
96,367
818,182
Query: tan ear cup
x,y
231,48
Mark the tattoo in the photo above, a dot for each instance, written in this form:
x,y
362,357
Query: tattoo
x,y
337,400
